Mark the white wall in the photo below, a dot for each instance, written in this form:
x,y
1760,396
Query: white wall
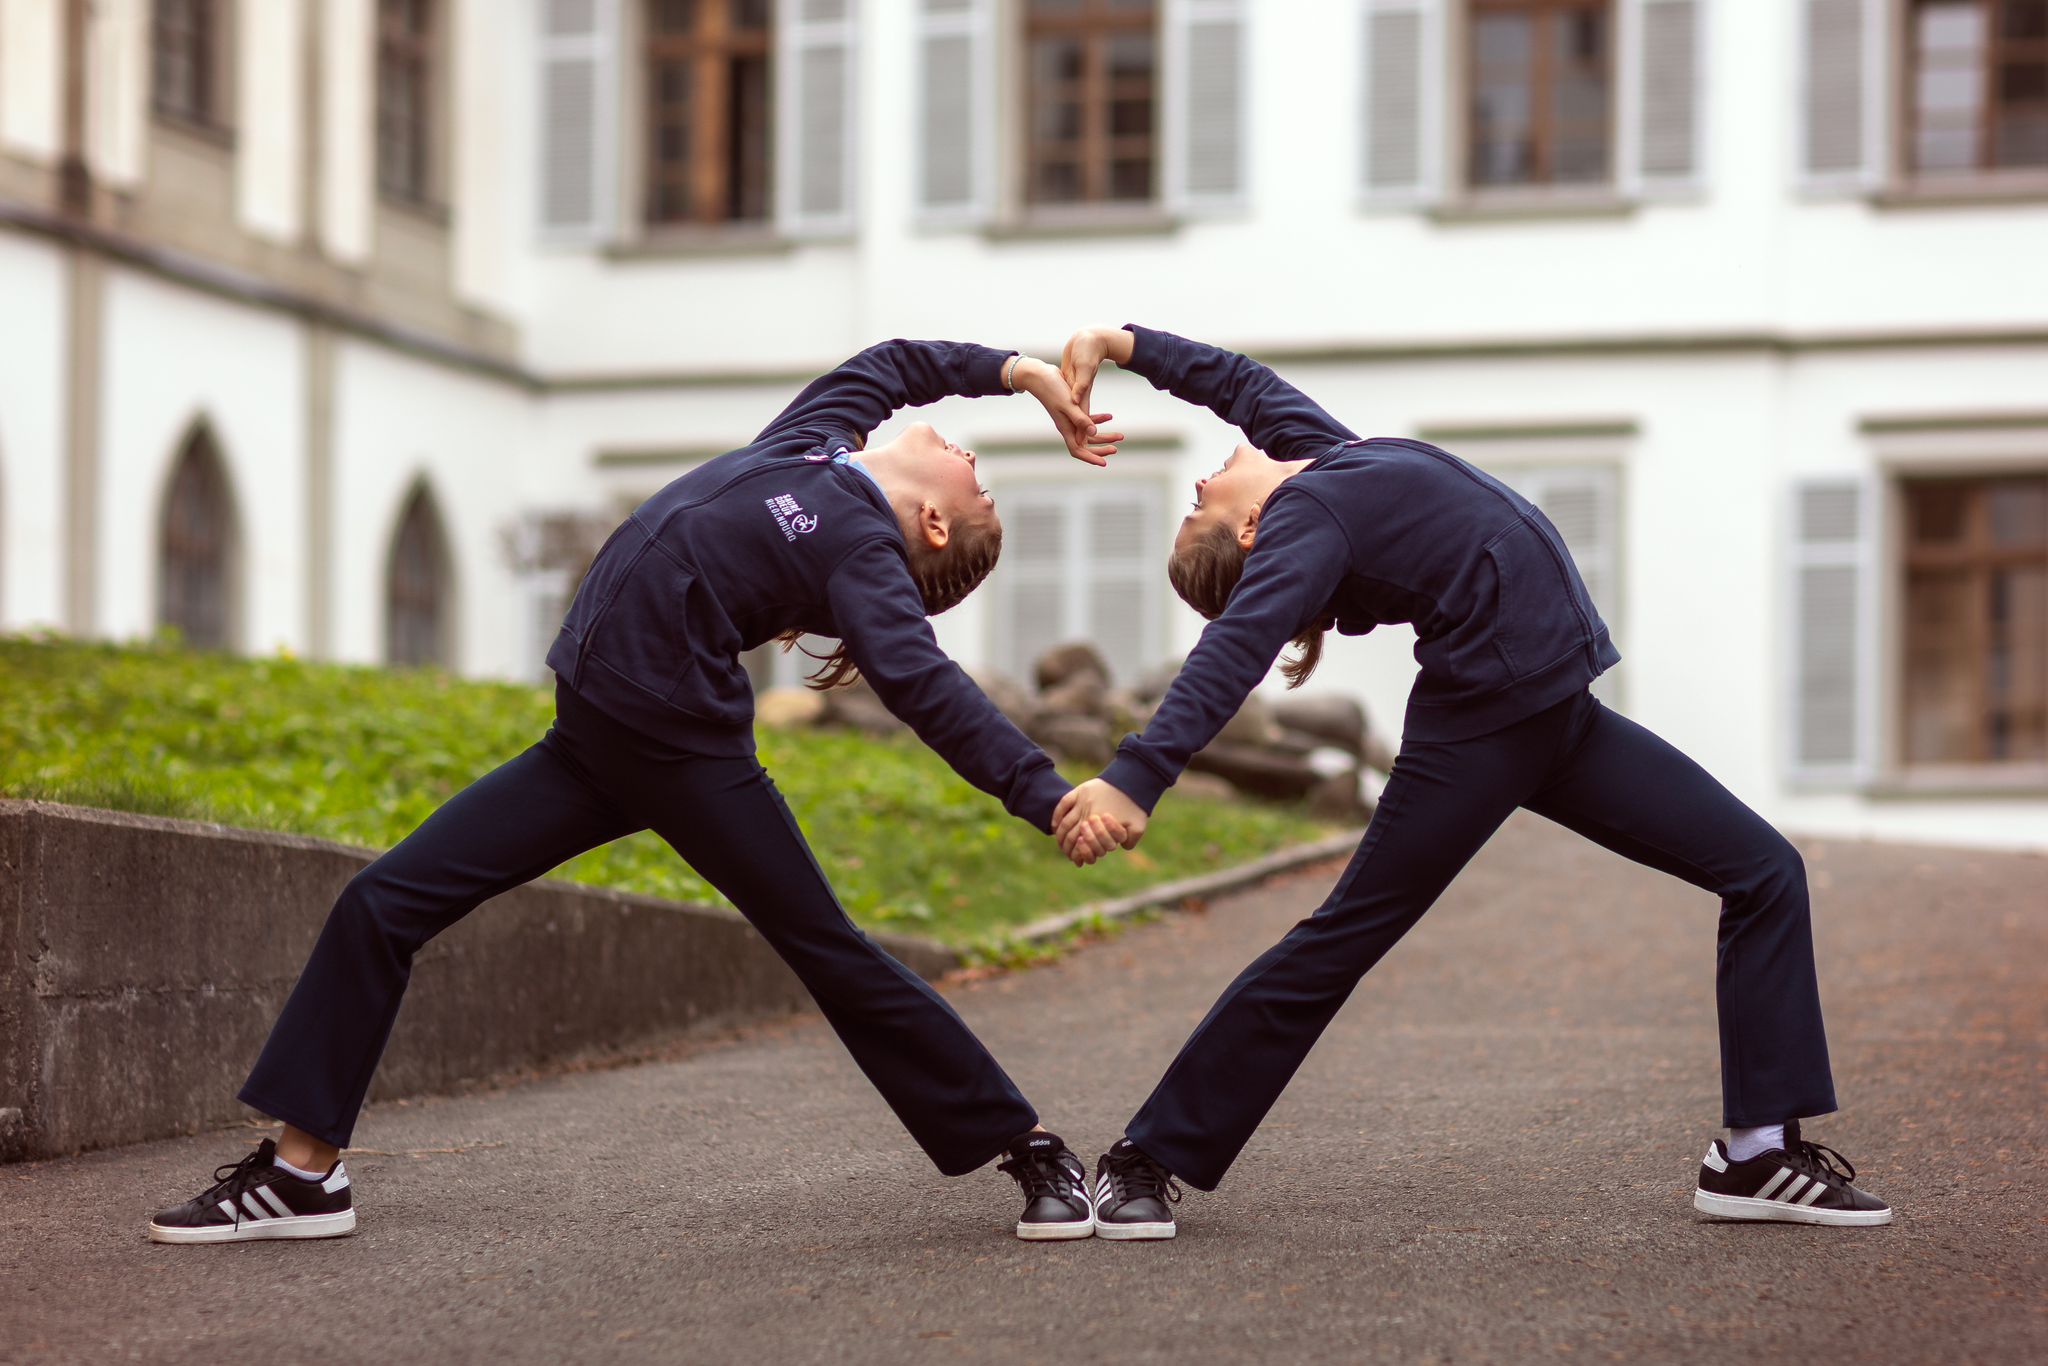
x,y
398,419
30,93
172,356
347,128
270,123
33,336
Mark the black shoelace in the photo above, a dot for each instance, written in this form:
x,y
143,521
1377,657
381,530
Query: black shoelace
x,y
232,1180
1041,1174
1820,1161
1136,1177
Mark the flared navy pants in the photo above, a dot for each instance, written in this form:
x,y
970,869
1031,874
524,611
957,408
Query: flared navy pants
x,y
1591,770
589,781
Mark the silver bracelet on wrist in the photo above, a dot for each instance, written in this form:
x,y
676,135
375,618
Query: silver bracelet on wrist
x,y
1010,374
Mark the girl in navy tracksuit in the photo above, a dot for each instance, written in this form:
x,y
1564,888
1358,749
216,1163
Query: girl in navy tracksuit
x,y
1310,527
792,534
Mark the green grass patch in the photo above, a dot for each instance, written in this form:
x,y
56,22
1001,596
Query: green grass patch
x,y
364,755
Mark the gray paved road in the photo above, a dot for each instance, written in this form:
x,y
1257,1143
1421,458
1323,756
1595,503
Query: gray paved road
x,y
1489,1158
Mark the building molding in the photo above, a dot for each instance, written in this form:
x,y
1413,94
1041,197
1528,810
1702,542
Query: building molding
x,y
240,286
1761,342
1989,421
1536,429
88,240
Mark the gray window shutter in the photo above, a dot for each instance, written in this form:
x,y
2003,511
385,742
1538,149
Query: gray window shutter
x,y
1843,110
1079,564
1206,122
1403,77
814,125
956,94
1033,576
1669,46
1119,578
1832,710
579,119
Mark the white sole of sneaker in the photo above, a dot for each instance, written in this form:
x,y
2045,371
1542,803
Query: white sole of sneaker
x,y
1776,1211
1055,1233
1131,1233
298,1226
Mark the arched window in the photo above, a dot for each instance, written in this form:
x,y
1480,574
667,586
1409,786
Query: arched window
x,y
196,554
416,598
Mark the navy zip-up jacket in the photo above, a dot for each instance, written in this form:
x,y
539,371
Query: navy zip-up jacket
x,y
1385,530
775,537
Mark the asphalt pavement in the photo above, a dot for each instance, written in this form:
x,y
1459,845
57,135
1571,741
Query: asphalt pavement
x,y
1489,1158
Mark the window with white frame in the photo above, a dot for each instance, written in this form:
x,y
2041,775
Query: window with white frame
x,y
1079,563
1918,95
1557,98
1114,105
716,116
1918,611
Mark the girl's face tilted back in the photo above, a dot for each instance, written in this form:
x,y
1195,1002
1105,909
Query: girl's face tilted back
x,y
944,475
1229,497
949,521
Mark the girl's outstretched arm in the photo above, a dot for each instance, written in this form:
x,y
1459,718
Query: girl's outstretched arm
x,y
1274,415
1301,556
876,607
858,395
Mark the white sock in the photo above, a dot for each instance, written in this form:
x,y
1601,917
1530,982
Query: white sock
x,y
1743,1144
299,1172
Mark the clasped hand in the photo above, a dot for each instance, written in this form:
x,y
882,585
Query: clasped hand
x,y
1095,818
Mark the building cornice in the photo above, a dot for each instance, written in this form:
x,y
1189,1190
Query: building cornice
x,y
241,286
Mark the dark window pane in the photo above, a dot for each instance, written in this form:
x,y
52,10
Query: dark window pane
x,y
1131,179
747,172
416,589
196,549
2023,19
674,16
1937,511
2026,81
1130,118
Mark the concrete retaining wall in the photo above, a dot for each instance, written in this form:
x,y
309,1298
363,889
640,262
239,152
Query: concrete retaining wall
x,y
142,961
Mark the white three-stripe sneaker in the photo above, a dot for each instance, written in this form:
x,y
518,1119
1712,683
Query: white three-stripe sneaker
x,y
1800,1183
256,1198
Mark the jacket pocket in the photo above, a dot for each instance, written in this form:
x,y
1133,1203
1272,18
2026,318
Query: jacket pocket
x,y
651,633
1535,623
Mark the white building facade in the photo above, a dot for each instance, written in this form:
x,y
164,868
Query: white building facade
x,y
321,319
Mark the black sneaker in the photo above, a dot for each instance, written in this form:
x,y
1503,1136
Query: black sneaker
x,y
255,1198
1133,1195
1055,1188
1799,1183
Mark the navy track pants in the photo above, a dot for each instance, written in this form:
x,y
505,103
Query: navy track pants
x,y
1591,770
589,781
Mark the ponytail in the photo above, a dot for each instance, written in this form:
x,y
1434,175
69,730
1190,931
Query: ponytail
x,y
1205,572
944,577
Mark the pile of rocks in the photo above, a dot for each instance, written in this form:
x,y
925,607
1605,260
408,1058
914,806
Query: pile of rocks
x,y
1314,749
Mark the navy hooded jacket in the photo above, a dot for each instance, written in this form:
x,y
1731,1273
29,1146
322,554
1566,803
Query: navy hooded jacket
x,y
776,537
1385,530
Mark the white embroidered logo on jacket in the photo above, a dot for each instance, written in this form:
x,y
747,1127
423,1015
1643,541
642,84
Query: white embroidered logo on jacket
x,y
790,516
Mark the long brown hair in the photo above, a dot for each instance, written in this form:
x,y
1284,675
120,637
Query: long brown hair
x,y
1205,571
944,577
